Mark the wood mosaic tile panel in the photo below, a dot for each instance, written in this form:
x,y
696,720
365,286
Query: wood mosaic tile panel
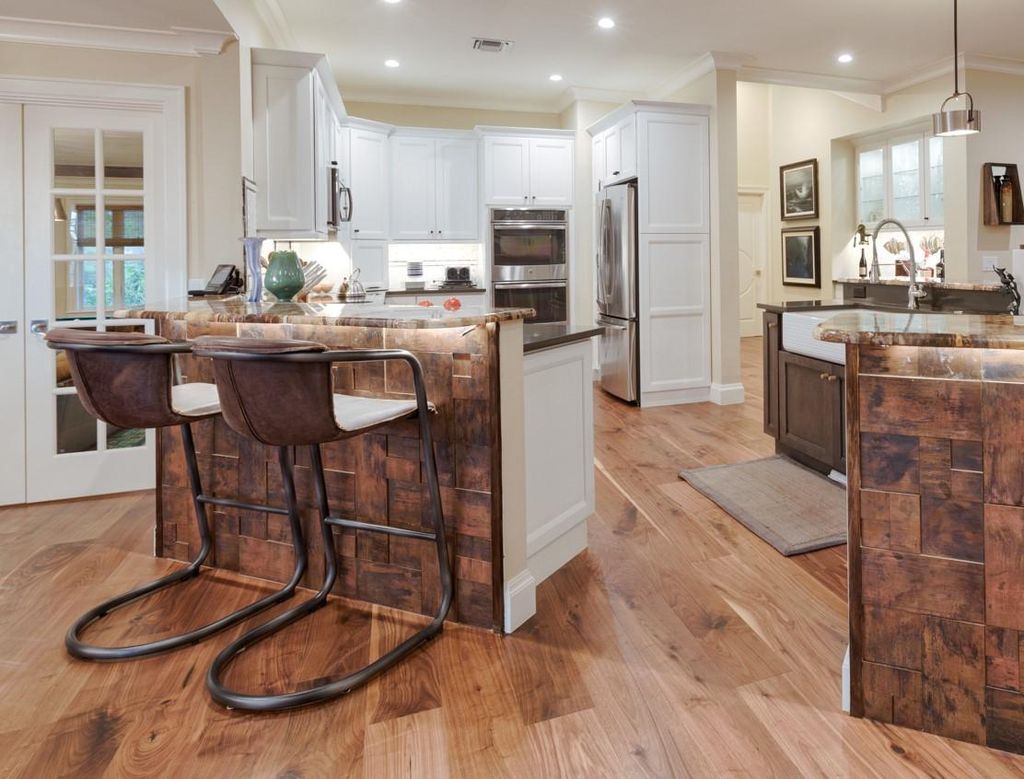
x,y
376,477
936,475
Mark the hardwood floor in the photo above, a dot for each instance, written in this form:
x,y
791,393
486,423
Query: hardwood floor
x,y
679,644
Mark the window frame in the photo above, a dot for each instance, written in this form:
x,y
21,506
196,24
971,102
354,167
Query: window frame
x,y
885,143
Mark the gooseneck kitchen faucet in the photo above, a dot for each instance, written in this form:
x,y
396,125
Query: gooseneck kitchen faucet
x,y
915,292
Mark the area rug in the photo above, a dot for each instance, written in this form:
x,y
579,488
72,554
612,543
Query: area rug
x,y
793,508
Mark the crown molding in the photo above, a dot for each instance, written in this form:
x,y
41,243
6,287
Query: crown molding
x,y
576,94
181,41
793,78
276,23
872,102
433,101
944,67
706,63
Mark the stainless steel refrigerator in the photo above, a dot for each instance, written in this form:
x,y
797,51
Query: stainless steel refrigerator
x,y
617,291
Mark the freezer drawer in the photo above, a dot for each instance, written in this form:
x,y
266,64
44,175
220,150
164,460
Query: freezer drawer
x,y
618,347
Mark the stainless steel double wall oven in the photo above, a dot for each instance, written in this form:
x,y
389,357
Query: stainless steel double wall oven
x,y
529,260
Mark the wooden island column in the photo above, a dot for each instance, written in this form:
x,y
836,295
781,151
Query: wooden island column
x,y
935,421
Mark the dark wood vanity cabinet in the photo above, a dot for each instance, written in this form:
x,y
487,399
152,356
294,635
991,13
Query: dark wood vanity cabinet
x,y
803,403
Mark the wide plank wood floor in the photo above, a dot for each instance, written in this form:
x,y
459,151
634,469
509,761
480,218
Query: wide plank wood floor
x,y
678,645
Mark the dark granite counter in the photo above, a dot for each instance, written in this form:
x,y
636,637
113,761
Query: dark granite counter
x,y
889,328
438,291
547,335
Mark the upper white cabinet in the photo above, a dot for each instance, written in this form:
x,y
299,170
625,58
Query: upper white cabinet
x,y
434,193
368,181
528,171
295,111
614,153
673,173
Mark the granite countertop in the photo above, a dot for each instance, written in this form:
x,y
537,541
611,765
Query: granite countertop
x,y
235,309
905,282
438,291
545,335
889,328
807,305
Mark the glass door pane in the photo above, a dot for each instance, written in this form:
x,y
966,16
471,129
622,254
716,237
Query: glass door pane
x,y
871,186
906,181
936,184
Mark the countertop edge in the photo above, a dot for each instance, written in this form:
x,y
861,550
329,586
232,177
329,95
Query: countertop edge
x,y
540,344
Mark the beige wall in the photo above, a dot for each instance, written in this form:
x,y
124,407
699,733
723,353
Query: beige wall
x,y
212,128
753,136
719,90
447,118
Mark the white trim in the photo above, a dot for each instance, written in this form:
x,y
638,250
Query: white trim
x,y
752,189
276,23
558,552
727,394
634,106
520,600
793,78
182,41
871,102
576,94
531,132
549,106
675,397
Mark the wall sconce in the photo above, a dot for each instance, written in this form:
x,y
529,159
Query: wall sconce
x,y
861,238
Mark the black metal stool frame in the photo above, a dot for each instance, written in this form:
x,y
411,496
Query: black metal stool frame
x,y
337,687
73,641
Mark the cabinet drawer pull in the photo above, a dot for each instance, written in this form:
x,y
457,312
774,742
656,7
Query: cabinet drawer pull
x,y
823,376
773,324
833,378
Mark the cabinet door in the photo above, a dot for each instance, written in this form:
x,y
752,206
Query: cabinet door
x,y
458,204
371,257
597,158
772,341
810,407
413,188
675,324
283,164
625,133
368,153
507,171
323,142
612,155
674,173
551,171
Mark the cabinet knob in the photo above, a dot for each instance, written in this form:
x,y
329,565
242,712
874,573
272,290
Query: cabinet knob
x,y
833,378
615,173
355,229
773,324
526,197
823,376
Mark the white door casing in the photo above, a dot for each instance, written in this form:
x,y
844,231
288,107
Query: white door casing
x,y
752,252
12,309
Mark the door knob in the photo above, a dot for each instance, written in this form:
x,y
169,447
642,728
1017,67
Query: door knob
x,y
9,327
38,327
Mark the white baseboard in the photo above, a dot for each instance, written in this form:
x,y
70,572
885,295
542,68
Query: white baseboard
x,y
727,394
846,681
674,397
558,552
520,600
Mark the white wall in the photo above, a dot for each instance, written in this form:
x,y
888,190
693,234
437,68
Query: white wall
x,y
212,128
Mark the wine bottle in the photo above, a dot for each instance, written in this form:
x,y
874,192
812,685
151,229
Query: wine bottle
x,y
862,268
1006,201
940,268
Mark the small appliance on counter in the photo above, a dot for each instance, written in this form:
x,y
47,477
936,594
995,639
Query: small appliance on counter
x,y
414,276
457,277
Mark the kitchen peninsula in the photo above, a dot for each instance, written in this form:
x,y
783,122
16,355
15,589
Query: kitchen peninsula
x,y
513,435
934,405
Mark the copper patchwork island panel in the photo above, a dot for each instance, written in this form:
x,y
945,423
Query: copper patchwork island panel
x,y
937,540
374,478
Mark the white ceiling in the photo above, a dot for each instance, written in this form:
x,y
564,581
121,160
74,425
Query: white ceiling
x,y
653,42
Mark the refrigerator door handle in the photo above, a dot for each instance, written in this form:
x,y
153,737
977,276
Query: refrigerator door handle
x,y
600,258
606,245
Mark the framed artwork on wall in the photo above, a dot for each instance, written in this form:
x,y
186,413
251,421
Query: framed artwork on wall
x,y
798,188
801,257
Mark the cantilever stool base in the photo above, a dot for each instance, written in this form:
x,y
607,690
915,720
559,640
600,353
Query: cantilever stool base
x,y
124,379
302,372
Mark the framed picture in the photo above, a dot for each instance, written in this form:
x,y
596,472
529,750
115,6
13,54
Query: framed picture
x,y
799,187
801,257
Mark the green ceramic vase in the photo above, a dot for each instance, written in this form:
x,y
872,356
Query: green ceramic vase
x,y
284,276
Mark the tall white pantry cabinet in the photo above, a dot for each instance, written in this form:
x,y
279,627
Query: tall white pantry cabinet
x,y
666,147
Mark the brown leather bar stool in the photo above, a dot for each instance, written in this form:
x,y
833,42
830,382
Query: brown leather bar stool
x,y
125,379
255,380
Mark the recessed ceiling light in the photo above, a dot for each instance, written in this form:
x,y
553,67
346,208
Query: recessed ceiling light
x,y
845,59
392,2
555,77
391,63
605,22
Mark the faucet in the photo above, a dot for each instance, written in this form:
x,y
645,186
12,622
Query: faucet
x,y
915,292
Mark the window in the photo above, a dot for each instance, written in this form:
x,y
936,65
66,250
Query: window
x,y
901,177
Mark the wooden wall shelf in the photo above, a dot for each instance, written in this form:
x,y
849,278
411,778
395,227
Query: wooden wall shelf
x,y
990,194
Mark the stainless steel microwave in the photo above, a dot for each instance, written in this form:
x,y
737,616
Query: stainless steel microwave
x,y
529,244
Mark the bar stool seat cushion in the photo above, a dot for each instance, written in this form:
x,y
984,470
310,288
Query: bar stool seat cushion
x,y
79,336
354,413
195,399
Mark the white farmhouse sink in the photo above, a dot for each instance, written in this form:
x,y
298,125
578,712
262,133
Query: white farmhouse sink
x,y
798,336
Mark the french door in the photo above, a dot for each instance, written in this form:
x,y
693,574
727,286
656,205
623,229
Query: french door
x,y
91,247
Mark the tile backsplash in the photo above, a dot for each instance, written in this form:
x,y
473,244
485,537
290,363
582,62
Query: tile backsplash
x,y
435,258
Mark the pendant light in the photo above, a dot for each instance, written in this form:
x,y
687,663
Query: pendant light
x,y
956,121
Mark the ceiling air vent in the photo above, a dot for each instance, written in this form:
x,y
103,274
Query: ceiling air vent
x,y
491,45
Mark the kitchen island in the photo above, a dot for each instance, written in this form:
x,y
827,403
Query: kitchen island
x,y
935,433
473,365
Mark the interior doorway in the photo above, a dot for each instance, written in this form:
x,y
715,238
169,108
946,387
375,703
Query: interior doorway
x,y
92,221
753,251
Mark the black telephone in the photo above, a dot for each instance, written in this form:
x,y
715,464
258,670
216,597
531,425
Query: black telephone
x,y
226,280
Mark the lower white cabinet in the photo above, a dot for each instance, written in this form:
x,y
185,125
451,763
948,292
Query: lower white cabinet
x,y
371,257
675,318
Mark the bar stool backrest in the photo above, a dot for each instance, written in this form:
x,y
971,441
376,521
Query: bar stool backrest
x,y
123,378
268,393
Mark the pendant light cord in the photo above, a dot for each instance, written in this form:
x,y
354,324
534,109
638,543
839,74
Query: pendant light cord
x,y
956,52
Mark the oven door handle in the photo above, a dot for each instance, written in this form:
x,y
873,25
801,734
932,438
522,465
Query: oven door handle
x,y
528,226
529,285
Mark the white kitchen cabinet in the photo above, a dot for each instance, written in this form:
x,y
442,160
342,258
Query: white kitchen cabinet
x,y
368,180
597,161
614,153
674,173
371,257
528,171
434,192
295,109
